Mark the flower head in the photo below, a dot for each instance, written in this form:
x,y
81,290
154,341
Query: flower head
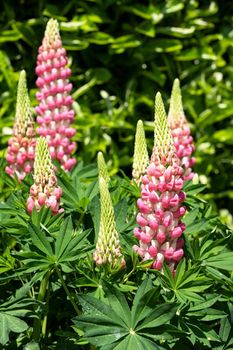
x,y
21,146
161,204
140,158
45,190
108,244
54,111
183,141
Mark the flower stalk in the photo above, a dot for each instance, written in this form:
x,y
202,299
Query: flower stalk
x,y
161,204
107,250
55,114
45,190
21,146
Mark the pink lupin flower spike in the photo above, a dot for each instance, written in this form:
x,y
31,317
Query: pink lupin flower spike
x,y
161,204
183,141
45,190
21,146
55,114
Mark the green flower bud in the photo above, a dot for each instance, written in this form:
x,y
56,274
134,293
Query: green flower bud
x,y
102,167
108,243
140,158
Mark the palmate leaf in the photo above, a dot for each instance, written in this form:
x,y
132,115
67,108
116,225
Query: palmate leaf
x,y
43,217
226,329
40,240
47,251
10,311
9,323
114,326
187,285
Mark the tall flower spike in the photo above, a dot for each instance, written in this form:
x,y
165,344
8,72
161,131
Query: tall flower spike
x,y
183,141
108,243
140,158
54,111
45,190
102,167
21,146
161,203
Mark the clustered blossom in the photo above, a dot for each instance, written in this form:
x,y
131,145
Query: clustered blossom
x,y
140,158
183,141
21,146
45,190
54,111
161,204
108,244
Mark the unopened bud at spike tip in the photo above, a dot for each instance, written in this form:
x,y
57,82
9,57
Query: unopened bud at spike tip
x,y
108,244
176,112
102,167
183,141
163,141
140,158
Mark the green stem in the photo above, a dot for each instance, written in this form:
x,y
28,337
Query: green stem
x,y
44,322
40,297
67,290
128,275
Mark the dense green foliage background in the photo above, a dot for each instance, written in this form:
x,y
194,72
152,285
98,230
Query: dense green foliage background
x,y
121,53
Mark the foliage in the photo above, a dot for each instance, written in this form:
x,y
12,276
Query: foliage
x,y
51,257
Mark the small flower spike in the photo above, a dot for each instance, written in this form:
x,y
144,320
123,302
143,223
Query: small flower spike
x,y
140,158
103,171
161,204
21,146
108,243
45,190
183,141
55,115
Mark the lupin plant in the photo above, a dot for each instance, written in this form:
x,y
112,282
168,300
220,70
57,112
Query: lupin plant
x,y
55,114
21,146
45,190
107,250
183,141
140,158
161,203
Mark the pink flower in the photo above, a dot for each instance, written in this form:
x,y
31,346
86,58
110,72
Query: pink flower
x,y
45,190
161,204
54,111
21,146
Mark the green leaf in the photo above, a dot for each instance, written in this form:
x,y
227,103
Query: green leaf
x,y
159,316
91,304
222,261
167,45
32,346
139,303
64,237
9,323
40,240
224,136
204,305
